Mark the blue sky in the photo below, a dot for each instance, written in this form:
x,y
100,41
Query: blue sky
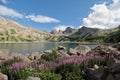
x,y
49,14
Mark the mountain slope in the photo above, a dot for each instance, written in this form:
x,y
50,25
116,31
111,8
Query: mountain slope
x,y
13,31
86,34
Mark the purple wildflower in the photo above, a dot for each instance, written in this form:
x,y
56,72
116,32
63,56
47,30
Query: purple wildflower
x,y
18,65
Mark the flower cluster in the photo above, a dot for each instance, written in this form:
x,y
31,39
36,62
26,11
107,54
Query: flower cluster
x,y
77,60
18,65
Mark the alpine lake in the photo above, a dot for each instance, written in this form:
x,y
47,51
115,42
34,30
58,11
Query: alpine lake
x,y
30,47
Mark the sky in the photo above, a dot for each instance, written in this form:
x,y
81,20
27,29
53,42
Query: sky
x,y
59,14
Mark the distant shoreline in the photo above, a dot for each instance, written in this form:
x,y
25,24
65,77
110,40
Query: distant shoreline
x,y
57,42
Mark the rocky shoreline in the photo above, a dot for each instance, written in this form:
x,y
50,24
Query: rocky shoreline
x,y
111,71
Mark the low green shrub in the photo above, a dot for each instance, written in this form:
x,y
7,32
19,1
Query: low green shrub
x,y
50,76
50,56
72,76
69,72
22,73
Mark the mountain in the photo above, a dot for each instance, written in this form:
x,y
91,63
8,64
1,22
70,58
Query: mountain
x,y
113,36
84,32
13,31
87,34
68,31
55,32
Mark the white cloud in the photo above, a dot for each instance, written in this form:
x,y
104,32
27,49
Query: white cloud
x,y
104,16
4,11
62,27
42,19
3,1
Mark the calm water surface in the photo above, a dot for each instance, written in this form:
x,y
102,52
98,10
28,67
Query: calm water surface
x,y
36,46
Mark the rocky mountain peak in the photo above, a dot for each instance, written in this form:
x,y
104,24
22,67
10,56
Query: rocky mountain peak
x,y
69,30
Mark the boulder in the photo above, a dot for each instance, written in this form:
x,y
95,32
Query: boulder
x,y
114,68
72,51
96,74
82,49
3,77
63,53
60,48
20,56
33,78
113,65
35,56
116,45
103,50
117,76
79,50
110,77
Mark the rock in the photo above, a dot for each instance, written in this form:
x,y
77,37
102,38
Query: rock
x,y
33,78
63,53
47,51
96,66
20,56
117,45
82,49
112,61
69,31
117,76
4,54
110,77
35,56
79,50
96,74
114,68
61,48
3,77
113,65
103,50
72,51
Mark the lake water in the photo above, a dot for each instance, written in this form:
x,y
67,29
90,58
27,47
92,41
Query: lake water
x,y
36,46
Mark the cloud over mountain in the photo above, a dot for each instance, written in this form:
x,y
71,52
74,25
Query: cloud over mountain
x,y
104,15
62,27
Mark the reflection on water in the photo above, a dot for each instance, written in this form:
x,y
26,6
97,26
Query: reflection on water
x,y
35,47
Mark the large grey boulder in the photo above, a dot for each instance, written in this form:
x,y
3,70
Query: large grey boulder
x,y
113,66
62,50
96,74
33,78
3,77
72,51
79,50
103,50
110,77
117,76
82,49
